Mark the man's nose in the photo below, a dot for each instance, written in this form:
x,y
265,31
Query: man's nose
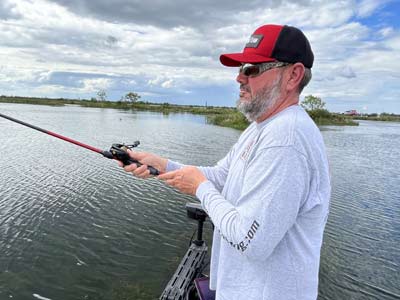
x,y
242,79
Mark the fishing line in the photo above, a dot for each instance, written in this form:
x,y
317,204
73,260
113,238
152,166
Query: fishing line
x,y
117,151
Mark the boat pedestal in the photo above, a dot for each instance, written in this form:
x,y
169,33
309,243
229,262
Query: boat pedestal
x,y
181,283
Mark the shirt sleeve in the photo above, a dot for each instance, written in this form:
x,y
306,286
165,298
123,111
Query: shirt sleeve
x,y
218,174
173,165
275,184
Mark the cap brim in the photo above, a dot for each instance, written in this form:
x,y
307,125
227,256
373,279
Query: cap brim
x,y
237,59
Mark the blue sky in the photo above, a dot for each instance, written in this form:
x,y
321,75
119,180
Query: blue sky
x,y
168,51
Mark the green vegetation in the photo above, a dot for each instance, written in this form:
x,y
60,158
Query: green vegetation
x,y
378,117
315,107
222,116
32,100
313,103
102,95
233,119
132,97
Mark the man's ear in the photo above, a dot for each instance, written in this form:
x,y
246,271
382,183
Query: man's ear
x,y
294,76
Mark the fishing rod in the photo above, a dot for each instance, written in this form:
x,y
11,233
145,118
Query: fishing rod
x,y
117,151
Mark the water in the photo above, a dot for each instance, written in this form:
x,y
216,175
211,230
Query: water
x,y
361,250
73,225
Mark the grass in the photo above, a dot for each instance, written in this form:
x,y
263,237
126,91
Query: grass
x,y
336,119
233,119
324,117
381,117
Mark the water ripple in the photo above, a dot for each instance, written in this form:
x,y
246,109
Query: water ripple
x,y
74,225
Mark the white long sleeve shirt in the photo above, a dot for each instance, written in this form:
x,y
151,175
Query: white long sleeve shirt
x,y
269,202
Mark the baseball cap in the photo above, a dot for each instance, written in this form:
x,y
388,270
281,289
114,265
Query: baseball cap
x,y
273,43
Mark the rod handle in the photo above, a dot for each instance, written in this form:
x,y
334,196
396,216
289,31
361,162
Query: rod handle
x,y
153,171
124,157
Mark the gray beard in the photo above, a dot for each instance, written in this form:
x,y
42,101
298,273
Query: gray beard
x,y
263,101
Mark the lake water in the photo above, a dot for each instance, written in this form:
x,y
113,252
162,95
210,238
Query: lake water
x,y
73,225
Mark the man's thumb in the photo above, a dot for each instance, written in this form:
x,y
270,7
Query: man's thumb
x,y
135,155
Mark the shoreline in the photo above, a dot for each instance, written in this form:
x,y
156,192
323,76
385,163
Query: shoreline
x,y
216,115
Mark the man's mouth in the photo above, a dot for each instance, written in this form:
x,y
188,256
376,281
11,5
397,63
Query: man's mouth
x,y
244,88
243,91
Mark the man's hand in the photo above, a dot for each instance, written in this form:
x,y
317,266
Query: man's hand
x,y
146,159
186,180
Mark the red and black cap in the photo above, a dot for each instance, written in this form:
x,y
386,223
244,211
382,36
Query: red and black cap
x,y
273,43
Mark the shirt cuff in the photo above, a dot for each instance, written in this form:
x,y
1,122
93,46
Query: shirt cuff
x,y
173,165
202,190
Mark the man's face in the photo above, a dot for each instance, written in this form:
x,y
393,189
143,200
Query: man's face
x,y
259,94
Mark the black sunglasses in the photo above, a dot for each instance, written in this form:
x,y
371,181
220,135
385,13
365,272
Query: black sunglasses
x,y
253,70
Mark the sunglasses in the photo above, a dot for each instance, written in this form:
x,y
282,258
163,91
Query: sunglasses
x,y
253,70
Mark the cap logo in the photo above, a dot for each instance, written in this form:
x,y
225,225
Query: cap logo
x,y
255,39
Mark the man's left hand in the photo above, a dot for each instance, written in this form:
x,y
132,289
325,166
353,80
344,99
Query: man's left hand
x,y
186,180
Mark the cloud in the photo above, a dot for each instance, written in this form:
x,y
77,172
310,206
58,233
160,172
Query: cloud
x,y
94,85
7,10
167,84
347,72
386,32
164,51
160,13
368,7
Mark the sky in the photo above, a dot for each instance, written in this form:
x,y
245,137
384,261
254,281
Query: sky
x,y
168,51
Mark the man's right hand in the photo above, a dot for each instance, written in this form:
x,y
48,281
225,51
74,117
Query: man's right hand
x,y
146,159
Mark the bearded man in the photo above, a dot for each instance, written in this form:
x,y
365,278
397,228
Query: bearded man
x,y
268,198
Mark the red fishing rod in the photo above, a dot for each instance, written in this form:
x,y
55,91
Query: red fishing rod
x,y
117,151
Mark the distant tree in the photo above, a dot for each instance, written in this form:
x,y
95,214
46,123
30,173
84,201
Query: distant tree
x,y
315,107
132,97
311,103
102,95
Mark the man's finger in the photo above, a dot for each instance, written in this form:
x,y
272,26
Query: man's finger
x,y
168,175
141,171
171,182
130,168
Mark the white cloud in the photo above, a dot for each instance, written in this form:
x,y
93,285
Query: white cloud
x,y
155,81
44,76
94,85
319,14
367,7
8,10
167,84
386,32
47,41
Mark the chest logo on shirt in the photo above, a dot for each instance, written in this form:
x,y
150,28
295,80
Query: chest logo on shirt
x,y
246,152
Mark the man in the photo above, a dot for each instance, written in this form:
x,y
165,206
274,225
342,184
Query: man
x,y
269,197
